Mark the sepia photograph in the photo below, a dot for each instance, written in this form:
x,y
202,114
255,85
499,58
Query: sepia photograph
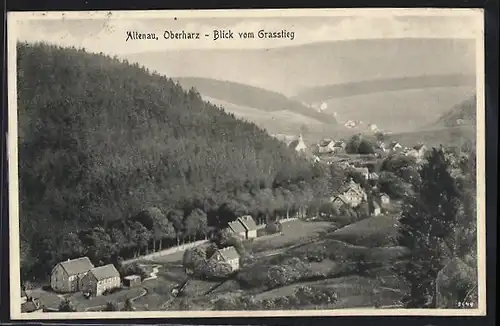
x,y
246,163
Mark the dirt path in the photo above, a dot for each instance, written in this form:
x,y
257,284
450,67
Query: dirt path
x,y
154,274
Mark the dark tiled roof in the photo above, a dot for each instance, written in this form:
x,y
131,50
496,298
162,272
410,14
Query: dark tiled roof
x,y
237,226
248,223
229,253
77,266
105,272
325,142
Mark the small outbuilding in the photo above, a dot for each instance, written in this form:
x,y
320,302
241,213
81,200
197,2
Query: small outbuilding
x,y
132,280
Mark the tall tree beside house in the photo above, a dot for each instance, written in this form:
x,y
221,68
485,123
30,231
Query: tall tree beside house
x,y
429,217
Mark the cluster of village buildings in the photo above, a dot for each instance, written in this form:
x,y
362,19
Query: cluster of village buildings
x,y
330,146
80,275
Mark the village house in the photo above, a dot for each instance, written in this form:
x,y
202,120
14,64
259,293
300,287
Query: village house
x,y
238,228
100,279
249,225
363,171
298,145
132,280
351,194
228,255
381,146
384,199
373,176
65,276
418,152
326,146
339,146
395,146
31,305
372,127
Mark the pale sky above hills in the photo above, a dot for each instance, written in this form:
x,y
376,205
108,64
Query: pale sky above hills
x,y
98,32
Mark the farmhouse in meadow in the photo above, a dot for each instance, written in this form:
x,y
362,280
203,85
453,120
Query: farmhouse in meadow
x,y
351,194
228,255
249,225
100,279
66,275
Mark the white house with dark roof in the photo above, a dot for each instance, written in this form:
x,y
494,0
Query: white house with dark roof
x,y
65,276
238,228
249,225
326,146
228,255
351,194
100,279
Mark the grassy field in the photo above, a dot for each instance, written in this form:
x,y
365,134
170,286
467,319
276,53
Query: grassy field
x,y
376,231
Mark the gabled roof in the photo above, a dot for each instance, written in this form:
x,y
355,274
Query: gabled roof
x,y
325,142
418,147
236,226
229,253
104,272
248,222
77,266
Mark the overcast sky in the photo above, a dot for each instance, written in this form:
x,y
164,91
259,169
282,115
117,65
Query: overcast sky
x,y
101,32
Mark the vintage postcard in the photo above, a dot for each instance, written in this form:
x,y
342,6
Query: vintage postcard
x,y
247,163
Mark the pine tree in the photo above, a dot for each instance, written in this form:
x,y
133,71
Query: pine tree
x,y
428,219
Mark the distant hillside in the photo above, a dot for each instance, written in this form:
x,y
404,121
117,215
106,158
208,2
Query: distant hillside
x,y
463,113
275,122
324,93
252,97
453,136
101,140
399,111
288,70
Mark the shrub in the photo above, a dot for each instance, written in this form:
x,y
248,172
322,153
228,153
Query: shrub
x,y
193,257
214,270
274,227
111,306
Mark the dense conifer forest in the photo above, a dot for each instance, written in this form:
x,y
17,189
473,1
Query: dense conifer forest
x,y
116,161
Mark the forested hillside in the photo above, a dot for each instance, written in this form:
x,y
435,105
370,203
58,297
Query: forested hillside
x,y
114,159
